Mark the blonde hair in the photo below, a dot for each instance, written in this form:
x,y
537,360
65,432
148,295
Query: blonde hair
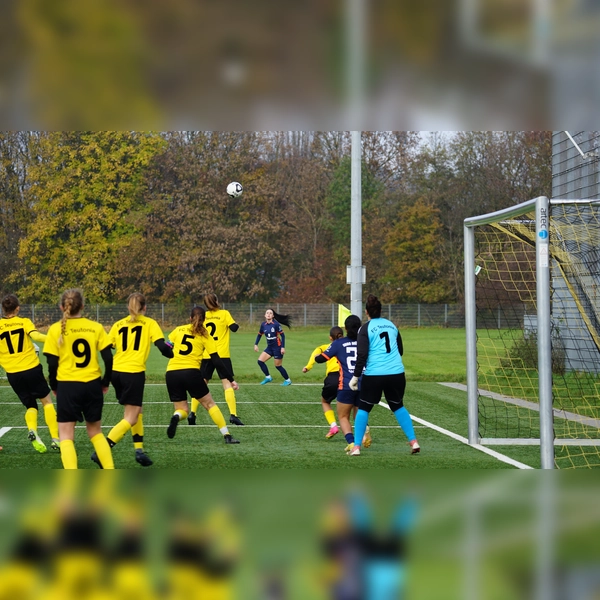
x,y
72,303
136,303
211,302
197,317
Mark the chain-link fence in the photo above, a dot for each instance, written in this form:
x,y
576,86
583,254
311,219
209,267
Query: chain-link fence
x,y
303,315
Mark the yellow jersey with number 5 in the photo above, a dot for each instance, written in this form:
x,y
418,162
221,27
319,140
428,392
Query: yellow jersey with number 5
x,y
188,348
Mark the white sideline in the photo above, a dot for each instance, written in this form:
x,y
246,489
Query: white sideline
x,y
464,440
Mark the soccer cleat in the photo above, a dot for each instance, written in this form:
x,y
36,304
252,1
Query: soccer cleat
x,y
287,382
142,458
235,420
192,418
355,451
172,428
414,447
267,379
55,444
349,448
32,436
229,439
95,459
332,431
367,440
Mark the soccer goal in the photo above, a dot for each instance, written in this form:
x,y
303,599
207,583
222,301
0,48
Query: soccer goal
x,y
532,309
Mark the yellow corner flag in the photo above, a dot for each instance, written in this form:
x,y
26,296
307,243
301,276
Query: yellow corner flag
x,y
343,313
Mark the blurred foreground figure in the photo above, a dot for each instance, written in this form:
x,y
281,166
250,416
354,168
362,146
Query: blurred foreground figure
x,y
362,563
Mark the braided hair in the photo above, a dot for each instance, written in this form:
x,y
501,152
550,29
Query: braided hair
x,y
71,303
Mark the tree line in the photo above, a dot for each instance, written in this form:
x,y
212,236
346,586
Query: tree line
x,y
120,211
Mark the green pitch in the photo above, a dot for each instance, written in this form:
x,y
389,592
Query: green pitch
x,y
285,427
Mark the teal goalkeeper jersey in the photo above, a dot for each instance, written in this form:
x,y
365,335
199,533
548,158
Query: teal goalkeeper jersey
x,y
379,345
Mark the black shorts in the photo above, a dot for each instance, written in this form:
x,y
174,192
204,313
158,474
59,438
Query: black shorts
x,y
391,386
79,401
129,387
330,386
208,367
183,382
29,385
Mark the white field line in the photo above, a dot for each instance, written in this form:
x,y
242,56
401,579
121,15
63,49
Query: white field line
x,y
463,440
561,414
4,430
497,455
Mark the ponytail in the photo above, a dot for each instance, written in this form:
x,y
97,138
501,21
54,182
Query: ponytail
x,y
136,303
197,318
71,303
211,302
283,319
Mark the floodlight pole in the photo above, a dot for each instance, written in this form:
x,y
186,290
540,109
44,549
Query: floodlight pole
x,y
355,275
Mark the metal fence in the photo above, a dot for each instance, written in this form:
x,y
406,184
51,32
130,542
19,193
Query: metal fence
x,y
303,315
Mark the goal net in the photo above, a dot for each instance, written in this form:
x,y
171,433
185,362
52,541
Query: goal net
x,y
532,298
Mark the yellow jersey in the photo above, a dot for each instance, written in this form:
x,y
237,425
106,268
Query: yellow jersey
x,y
217,323
188,348
78,353
331,366
132,341
17,352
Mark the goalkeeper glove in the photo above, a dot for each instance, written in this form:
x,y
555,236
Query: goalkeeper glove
x,y
354,384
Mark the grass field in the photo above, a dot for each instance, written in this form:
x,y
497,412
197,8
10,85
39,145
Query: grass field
x,y
285,427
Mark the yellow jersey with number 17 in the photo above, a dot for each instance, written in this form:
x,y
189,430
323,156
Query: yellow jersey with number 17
x,y
78,353
188,348
132,341
17,352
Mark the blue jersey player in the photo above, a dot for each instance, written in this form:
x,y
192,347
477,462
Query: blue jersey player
x,y
271,329
345,351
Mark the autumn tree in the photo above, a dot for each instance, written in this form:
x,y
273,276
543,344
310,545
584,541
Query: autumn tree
x,y
416,259
84,187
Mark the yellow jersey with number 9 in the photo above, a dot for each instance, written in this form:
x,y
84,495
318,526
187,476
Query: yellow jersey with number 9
x,y
188,348
78,353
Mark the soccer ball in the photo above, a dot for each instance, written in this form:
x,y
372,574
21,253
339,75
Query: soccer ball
x,y
235,189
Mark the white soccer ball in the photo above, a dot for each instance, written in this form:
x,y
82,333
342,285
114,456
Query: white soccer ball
x,y
235,189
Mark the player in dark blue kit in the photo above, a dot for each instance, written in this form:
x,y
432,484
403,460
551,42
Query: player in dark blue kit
x,y
271,329
345,350
380,363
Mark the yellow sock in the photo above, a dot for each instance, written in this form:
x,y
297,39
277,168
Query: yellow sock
x,y
119,430
195,405
50,418
103,451
330,416
31,416
182,414
217,416
137,433
68,454
230,399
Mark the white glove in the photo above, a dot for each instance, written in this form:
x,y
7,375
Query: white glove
x,y
354,384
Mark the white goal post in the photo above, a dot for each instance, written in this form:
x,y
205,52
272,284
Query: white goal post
x,y
555,263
